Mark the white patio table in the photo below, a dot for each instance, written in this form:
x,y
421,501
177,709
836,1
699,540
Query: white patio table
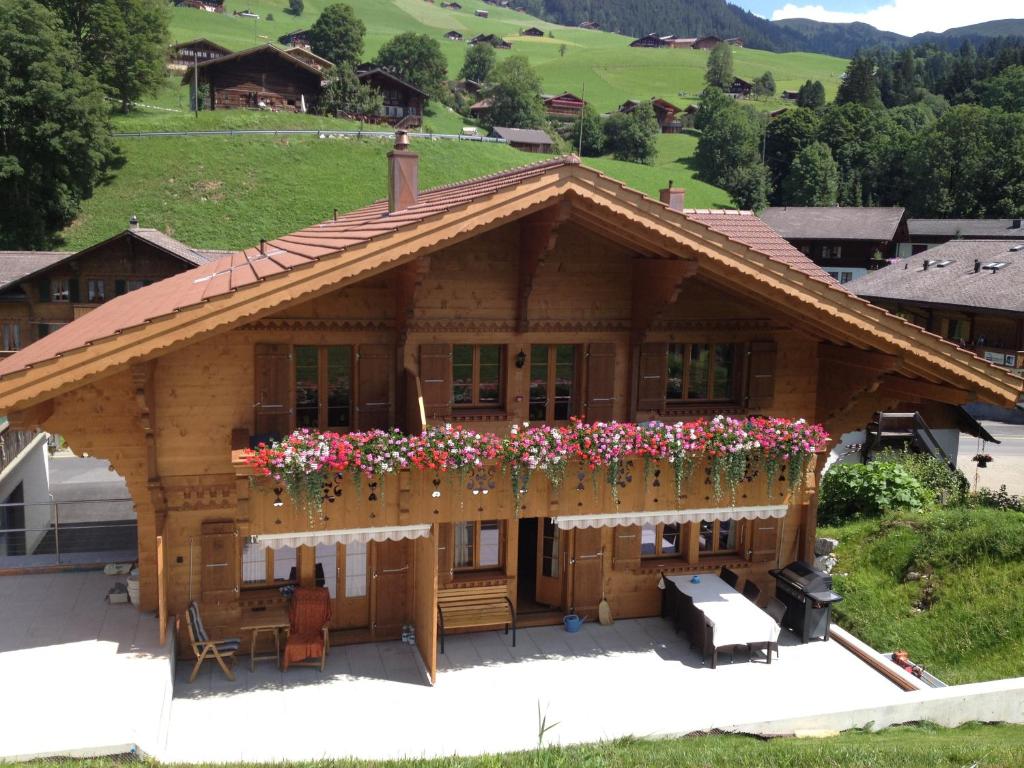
x,y
734,619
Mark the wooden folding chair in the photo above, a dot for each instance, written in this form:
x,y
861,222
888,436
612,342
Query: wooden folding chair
x,y
206,649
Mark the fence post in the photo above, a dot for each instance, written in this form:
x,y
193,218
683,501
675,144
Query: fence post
x,y
56,527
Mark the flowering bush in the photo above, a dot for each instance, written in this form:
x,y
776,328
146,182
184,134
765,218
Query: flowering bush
x,y
305,461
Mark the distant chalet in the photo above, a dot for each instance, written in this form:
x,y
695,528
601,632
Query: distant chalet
x,y
706,42
525,139
533,32
453,35
403,101
490,39
264,77
666,113
188,53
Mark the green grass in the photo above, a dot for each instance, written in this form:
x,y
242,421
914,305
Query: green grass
x,y
922,746
965,621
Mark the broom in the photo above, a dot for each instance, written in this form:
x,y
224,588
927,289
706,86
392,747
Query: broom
x,y
604,611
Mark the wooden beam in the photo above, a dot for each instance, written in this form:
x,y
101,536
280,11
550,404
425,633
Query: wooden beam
x,y
914,390
656,286
142,385
538,235
853,357
32,417
408,278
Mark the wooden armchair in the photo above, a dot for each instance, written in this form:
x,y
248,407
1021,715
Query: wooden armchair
x,y
307,638
206,649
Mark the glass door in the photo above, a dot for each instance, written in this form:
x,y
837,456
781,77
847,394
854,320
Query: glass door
x,y
551,541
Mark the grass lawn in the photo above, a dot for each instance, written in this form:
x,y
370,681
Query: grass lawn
x,y
923,746
964,620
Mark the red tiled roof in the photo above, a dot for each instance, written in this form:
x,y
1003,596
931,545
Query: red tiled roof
x,y
235,271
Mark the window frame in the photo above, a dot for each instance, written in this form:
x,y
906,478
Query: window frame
x,y
323,409
268,581
476,566
659,537
733,395
715,550
60,290
101,296
476,406
550,400
11,336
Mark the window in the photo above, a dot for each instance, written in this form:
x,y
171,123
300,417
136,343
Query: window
x,y
95,291
717,537
701,372
661,540
323,387
61,289
262,565
551,552
477,376
11,336
831,251
355,570
327,567
958,330
478,545
552,382
134,285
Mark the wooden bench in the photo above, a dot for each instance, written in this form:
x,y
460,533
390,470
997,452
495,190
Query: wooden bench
x,y
462,608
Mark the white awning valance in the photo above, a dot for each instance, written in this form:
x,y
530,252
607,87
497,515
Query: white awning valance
x,y
344,536
761,512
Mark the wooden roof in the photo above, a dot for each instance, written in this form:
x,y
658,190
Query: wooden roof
x,y
832,222
733,249
203,41
265,48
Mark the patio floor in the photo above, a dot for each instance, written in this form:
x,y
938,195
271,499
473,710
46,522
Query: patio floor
x,y
635,677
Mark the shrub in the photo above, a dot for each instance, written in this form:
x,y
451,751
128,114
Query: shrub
x,y
1001,499
850,491
950,486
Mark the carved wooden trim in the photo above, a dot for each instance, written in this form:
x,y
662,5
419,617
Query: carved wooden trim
x,y
315,324
758,324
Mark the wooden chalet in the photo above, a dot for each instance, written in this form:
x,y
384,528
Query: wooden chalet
x,y
740,88
663,41
403,102
706,43
264,77
789,95
666,112
589,25
532,32
737,41
525,139
452,6
210,6
454,35
306,56
539,293
43,291
563,104
184,55
481,13
300,37
490,39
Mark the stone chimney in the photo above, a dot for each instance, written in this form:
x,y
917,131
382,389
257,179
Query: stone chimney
x,y
403,174
673,197
133,222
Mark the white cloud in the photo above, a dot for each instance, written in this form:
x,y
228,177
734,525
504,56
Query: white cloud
x,y
908,17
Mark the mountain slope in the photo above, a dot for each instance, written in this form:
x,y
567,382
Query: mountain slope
x,y
844,38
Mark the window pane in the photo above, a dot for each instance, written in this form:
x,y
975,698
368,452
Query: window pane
x,y
285,564
724,366
307,387
648,540
464,545
327,563
355,570
490,374
697,385
565,378
552,553
490,543
462,374
704,540
254,563
674,386
670,539
726,535
339,387
538,382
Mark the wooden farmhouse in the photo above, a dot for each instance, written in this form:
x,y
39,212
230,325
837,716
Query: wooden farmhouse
x,y
490,39
666,112
525,139
43,291
706,43
184,55
300,37
540,293
307,56
454,35
741,88
563,104
403,102
533,32
264,77
589,25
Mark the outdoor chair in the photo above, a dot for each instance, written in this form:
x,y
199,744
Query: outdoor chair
x,y
206,649
751,591
730,577
309,617
776,609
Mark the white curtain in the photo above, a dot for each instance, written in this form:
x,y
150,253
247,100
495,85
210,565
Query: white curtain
x,y
345,536
762,512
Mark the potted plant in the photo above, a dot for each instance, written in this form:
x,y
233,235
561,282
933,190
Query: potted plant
x,y
981,459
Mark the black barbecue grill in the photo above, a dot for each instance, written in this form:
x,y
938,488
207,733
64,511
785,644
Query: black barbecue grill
x,y
808,596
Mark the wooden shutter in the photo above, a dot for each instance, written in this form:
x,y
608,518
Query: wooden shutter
x,y
760,375
653,372
120,287
626,554
272,406
436,380
764,536
374,366
43,289
220,562
600,403
444,554
73,289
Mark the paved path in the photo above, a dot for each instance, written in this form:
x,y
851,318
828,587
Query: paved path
x,y
1007,467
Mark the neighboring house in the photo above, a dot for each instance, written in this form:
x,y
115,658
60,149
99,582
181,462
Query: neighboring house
x,y
526,139
184,55
968,291
479,108
306,56
741,88
927,233
264,77
539,293
465,86
846,242
42,291
533,32
452,6
453,35
737,41
790,95
300,37
589,25
563,105
210,6
481,13
706,43
492,40
688,117
652,41
403,102
666,112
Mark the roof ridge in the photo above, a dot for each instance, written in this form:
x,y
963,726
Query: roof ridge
x,y
553,162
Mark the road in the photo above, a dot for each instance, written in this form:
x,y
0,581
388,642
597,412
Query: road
x,y
1007,467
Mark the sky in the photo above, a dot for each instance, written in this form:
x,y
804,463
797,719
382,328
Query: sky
x,y
907,17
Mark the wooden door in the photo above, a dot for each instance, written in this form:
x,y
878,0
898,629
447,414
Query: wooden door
x,y
587,569
390,590
551,561
220,563
352,606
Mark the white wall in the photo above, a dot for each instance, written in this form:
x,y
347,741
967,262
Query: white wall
x,y
31,468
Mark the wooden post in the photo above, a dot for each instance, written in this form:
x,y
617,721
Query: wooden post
x,y
161,588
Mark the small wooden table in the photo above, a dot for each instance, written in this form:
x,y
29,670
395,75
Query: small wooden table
x,y
268,620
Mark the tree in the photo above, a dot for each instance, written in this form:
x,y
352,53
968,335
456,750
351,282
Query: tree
x,y
515,96
338,35
562,49
813,178
860,86
729,155
55,140
417,59
633,137
478,64
719,72
811,95
587,134
785,137
711,101
1005,90
764,86
122,42
344,93
296,7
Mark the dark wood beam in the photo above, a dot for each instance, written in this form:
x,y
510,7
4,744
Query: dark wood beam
x,y
538,235
656,286
913,390
408,278
853,357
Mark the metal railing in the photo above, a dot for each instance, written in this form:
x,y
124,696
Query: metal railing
x,y
322,132
67,532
